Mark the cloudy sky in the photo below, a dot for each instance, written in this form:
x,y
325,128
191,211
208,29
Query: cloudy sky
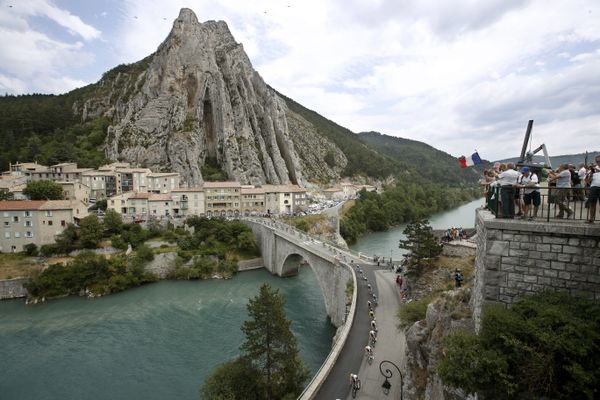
x,y
458,74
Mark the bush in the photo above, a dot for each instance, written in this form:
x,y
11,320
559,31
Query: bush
x,y
48,250
31,249
409,313
545,346
144,253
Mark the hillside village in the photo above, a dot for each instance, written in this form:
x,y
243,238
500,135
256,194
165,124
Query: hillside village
x,y
138,195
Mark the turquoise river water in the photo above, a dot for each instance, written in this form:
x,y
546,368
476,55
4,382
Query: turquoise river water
x,y
160,341
154,342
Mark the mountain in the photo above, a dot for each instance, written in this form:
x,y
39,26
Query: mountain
x,y
574,159
197,101
429,162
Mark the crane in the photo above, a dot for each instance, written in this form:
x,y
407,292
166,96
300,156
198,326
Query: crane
x,y
526,157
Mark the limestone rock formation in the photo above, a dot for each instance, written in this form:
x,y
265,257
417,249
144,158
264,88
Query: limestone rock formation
x,y
198,97
424,346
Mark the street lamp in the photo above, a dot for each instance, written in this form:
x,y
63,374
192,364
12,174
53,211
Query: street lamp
x,y
386,386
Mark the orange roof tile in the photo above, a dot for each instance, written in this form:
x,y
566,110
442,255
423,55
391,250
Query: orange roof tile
x,y
21,204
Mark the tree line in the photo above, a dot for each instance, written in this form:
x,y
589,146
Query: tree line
x,y
404,202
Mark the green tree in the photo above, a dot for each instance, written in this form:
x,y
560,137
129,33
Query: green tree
x,y
113,223
233,380
4,195
31,249
43,190
420,241
66,241
90,232
545,346
269,367
271,346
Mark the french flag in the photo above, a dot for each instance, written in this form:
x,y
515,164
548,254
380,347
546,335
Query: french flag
x,y
469,161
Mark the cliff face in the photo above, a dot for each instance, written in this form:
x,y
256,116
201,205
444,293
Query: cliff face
x,y
198,97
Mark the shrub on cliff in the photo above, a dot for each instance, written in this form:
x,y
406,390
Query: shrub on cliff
x,y
545,346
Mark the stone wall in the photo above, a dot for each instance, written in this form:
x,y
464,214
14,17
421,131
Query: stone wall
x,y
515,258
461,248
12,288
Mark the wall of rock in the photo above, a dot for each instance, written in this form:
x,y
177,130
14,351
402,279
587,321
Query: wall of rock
x,y
12,288
515,258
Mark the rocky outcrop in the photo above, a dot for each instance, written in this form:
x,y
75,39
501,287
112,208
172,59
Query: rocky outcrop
x,y
198,97
448,314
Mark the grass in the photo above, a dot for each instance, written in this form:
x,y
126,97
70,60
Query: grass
x,y
16,265
412,312
346,207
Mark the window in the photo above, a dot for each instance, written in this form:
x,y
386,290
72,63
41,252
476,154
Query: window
x,y
5,214
49,223
63,223
7,235
6,224
48,213
28,223
17,235
28,234
27,213
15,219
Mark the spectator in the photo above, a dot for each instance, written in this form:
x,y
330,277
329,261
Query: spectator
x,y
458,278
531,193
507,181
562,177
593,179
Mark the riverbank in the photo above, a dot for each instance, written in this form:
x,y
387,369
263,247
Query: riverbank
x,y
160,267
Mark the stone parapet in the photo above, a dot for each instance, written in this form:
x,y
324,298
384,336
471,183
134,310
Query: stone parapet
x,y
515,258
12,288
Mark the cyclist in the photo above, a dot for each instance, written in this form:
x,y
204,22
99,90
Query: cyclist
x,y
374,325
372,337
369,350
354,381
371,314
369,287
369,305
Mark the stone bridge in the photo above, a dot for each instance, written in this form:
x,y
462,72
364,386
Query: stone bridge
x,y
284,248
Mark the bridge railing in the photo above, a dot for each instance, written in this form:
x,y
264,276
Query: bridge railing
x,y
551,201
344,253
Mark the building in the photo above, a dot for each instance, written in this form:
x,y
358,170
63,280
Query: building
x,y
63,172
75,191
102,184
12,183
162,182
253,201
334,193
25,169
132,179
141,205
285,199
188,201
222,198
36,221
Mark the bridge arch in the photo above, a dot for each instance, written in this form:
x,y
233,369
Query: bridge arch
x,y
282,252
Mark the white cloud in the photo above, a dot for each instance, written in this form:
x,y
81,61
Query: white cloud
x,y
458,74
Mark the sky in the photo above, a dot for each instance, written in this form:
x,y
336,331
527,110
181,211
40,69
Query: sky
x,y
460,75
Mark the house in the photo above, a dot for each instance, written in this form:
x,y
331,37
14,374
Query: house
x,y
253,201
162,182
102,184
334,193
132,179
188,201
285,199
36,221
66,172
25,169
222,198
75,191
141,205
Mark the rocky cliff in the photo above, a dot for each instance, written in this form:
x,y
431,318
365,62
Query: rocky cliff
x,y
198,97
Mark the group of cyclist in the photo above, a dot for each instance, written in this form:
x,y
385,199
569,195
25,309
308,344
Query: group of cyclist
x,y
372,340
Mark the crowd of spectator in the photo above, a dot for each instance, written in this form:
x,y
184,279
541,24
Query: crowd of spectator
x,y
516,193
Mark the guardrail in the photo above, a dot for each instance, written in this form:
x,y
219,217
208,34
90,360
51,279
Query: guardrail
x,y
554,204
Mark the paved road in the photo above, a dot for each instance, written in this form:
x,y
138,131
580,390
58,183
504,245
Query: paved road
x,y
337,384
391,342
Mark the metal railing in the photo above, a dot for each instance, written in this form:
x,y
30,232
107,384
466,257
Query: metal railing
x,y
554,204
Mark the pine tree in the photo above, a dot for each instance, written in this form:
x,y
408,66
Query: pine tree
x,y
271,346
420,241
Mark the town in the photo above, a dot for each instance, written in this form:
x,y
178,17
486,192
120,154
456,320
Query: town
x,y
139,195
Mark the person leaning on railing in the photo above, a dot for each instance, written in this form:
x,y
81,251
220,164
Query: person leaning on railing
x,y
562,177
508,181
593,179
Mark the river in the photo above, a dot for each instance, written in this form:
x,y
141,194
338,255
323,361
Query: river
x,y
386,243
154,342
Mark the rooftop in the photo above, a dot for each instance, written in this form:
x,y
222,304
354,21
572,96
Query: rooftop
x,y
217,185
13,205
